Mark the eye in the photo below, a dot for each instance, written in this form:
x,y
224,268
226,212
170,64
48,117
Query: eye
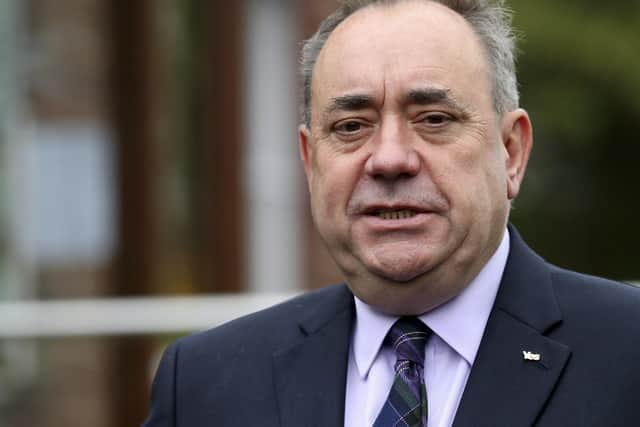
x,y
436,119
348,127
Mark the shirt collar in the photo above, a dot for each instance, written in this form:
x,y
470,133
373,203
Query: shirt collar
x,y
460,322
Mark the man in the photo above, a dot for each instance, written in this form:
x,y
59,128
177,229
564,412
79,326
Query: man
x,y
414,147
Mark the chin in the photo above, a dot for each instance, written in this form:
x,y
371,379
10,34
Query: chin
x,y
397,276
393,298
397,297
400,269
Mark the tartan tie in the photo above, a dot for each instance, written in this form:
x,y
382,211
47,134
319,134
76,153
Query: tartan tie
x,y
407,401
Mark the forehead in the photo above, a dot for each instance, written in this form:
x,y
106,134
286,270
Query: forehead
x,y
394,48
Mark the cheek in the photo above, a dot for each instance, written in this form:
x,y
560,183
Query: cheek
x,y
335,176
490,191
331,189
496,170
469,178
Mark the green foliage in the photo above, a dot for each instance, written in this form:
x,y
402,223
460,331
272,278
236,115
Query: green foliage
x,y
580,81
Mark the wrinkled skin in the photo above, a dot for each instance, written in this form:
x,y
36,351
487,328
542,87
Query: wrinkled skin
x,y
410,169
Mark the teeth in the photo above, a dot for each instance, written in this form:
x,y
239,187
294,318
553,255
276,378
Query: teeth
x,y
402,214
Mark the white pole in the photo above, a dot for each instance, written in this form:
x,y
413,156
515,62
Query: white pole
x,y
273,176
126,316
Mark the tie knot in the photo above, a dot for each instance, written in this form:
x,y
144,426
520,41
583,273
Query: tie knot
x,y
408,338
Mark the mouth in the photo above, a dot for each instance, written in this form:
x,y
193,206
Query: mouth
x,y
394,214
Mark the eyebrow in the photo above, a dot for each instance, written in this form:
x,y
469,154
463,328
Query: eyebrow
x,y
426,96
351,102
429,96
420,96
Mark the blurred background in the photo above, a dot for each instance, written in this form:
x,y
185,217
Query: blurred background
x,y
148,156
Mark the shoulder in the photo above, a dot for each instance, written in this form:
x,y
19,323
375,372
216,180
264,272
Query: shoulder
x,y
272,327
241,351
599,311
577,291
533,286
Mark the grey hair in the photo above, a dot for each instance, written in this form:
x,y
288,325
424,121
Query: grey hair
x,y
491,21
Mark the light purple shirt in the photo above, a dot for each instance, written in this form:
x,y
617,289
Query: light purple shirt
x,y
457,325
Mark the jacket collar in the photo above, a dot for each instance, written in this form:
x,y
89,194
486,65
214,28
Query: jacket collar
x,y
310,375
507,385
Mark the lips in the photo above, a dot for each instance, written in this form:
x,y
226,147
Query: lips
x,y
395,214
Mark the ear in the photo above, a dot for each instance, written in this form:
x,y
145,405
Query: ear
x,y
517,138
306,152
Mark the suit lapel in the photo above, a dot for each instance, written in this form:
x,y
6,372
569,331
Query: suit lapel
x,y
505,387
310,376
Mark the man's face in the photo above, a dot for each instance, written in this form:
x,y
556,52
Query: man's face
x,y
410,170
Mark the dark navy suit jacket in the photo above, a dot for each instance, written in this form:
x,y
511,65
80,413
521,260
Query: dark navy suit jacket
x,y
286,366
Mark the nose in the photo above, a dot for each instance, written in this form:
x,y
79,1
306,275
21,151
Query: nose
x,y
393,155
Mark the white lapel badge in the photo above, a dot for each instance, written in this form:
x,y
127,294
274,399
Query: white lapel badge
x,y
527,355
